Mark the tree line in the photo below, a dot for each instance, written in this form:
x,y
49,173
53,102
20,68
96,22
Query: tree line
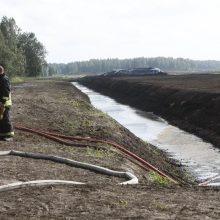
x,y
21,54
105,65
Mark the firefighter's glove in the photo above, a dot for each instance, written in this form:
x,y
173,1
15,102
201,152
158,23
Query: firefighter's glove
x,y
2,110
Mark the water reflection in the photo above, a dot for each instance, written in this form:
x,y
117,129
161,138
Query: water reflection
x,y
200,157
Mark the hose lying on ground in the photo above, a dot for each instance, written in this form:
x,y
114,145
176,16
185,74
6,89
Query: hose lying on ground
x,y
58,138
209,181
19,185
132,178
61,140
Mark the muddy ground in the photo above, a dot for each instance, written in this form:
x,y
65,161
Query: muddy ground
x,y
59,107
191,102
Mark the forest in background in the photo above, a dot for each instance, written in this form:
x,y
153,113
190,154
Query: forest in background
x,y
106,65
21,54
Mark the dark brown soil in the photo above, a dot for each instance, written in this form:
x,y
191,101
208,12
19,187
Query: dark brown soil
x,y
58,106
192,102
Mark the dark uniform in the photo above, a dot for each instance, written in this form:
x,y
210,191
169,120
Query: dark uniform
x,y
6,129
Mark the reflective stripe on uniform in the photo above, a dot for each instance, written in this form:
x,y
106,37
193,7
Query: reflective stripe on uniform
x,y
8,101
11,133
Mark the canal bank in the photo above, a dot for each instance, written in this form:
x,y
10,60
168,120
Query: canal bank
x,y
190,102
184,147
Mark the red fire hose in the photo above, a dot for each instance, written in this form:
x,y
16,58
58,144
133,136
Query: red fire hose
x,y
64,140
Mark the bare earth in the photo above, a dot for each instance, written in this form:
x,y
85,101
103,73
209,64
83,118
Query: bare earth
x,y
59,107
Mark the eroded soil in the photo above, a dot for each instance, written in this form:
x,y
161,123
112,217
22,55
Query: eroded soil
x,y
59,107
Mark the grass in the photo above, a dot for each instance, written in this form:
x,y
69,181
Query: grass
x,y
99,114
188,176
18,79
100,153
161,206
22,79
156,178
75,102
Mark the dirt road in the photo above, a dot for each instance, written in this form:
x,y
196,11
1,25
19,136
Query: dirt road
x,y
59,107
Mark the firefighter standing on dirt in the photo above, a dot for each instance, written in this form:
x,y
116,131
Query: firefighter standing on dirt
x,y
6,130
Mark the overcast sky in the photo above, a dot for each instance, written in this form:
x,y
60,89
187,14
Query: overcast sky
x,y
73,30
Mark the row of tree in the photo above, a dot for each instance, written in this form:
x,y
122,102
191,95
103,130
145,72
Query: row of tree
x,y
20,52
105,65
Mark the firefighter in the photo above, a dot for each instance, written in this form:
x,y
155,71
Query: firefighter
x,y
6,130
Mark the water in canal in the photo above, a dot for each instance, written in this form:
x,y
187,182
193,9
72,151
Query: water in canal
x,y
201,158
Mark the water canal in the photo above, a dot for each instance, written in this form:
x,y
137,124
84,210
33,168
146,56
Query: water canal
x,y
199,157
